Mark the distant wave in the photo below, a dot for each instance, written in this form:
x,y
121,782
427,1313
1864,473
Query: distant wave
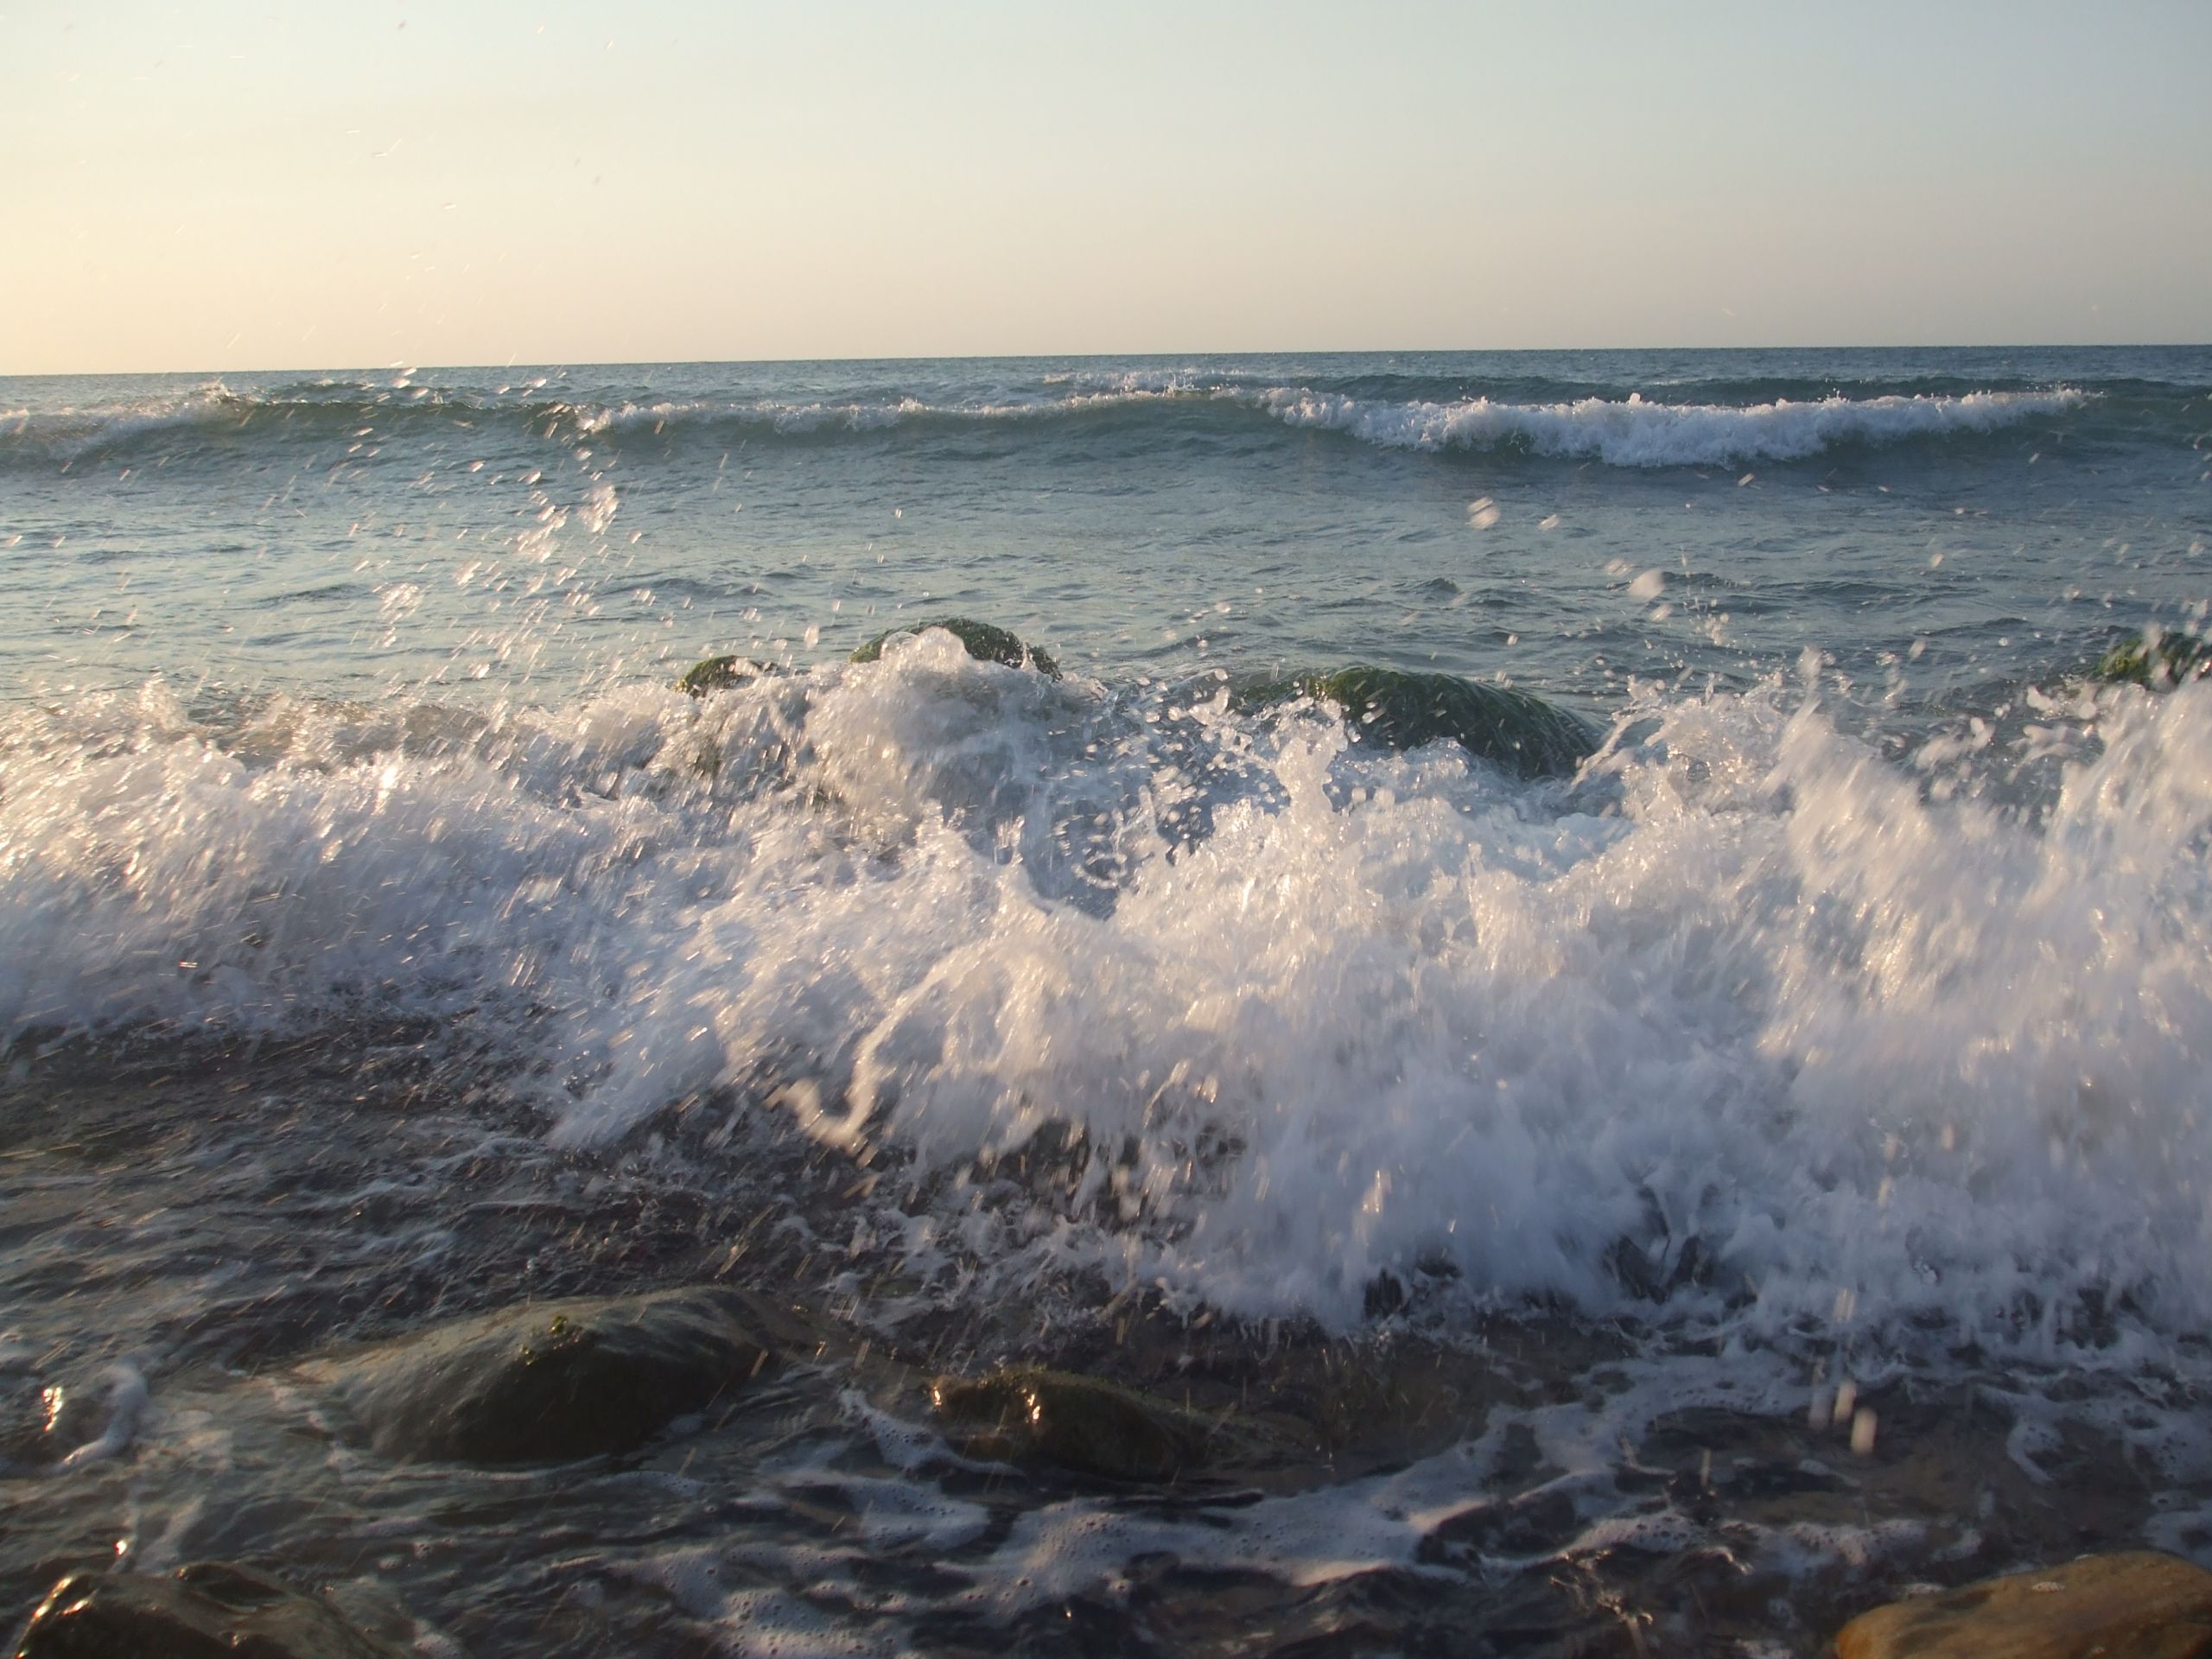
x,y
808,417
1621,432
1188,379
1633,432
74,433
65,434
588,420
1627,431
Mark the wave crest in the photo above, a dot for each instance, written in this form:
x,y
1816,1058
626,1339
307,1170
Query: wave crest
x,y
1631,432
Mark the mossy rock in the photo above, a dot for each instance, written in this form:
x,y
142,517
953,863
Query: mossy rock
x,y
1401,709
209,1611
1026,1414
2138,1602
983,641
554,1381
718,674
2155,658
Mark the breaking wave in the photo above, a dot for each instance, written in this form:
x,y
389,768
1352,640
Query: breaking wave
x,y
1629,431
1806,1036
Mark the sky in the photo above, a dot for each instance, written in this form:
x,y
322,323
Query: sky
x,y
270,185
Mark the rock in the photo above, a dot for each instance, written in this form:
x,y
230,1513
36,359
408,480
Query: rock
x,y
210,1611
41,1423
554,1381
1023,1414
1385,1295
56,1424
984,642
1636,1270
2139,1603
1403,710
2154,657
717,674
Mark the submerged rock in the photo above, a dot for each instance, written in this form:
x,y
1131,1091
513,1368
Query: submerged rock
x,y
718,674
2139,1603
983,641
1025,1415
1402,710
41,1423
56,1424
2154,657
554,1381
210,1611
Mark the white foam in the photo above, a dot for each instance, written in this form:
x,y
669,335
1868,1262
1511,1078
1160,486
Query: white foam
x,y
1631,432
895,1513
126,1405
1400,1521
1083,1545
69,432
1623,432
1889,1059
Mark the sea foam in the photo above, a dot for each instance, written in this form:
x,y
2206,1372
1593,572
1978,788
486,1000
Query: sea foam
x,y
1631,432
1748,999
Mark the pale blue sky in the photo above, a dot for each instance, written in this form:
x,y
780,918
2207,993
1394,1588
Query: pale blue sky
x,y
218,186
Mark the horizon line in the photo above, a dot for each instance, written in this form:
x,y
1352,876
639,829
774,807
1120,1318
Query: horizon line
x,y
401,365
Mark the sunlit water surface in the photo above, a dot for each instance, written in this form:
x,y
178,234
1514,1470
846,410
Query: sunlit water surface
x,y
1686,1201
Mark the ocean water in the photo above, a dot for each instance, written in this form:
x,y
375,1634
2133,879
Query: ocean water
x,y
1815,1080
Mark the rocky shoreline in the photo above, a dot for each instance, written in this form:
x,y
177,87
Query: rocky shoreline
x,y
588,1380
413,1379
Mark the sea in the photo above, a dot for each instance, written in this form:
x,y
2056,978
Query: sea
x,y
1677,1201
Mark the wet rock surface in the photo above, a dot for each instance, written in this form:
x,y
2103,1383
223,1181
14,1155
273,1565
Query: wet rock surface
x,y
1541,1484
556,1381
2156,658
209,1611
717,674
984,641
1091,1427
2138,1604
55,1423
1401,709
41,1422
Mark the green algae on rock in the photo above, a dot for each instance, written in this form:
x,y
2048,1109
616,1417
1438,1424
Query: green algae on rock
x,y
1028,1415
984,641
2156,658
2138,1603
554,1381
209,1611
717,674
1402,710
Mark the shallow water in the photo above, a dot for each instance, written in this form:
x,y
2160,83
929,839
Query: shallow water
x,y
1683,1203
